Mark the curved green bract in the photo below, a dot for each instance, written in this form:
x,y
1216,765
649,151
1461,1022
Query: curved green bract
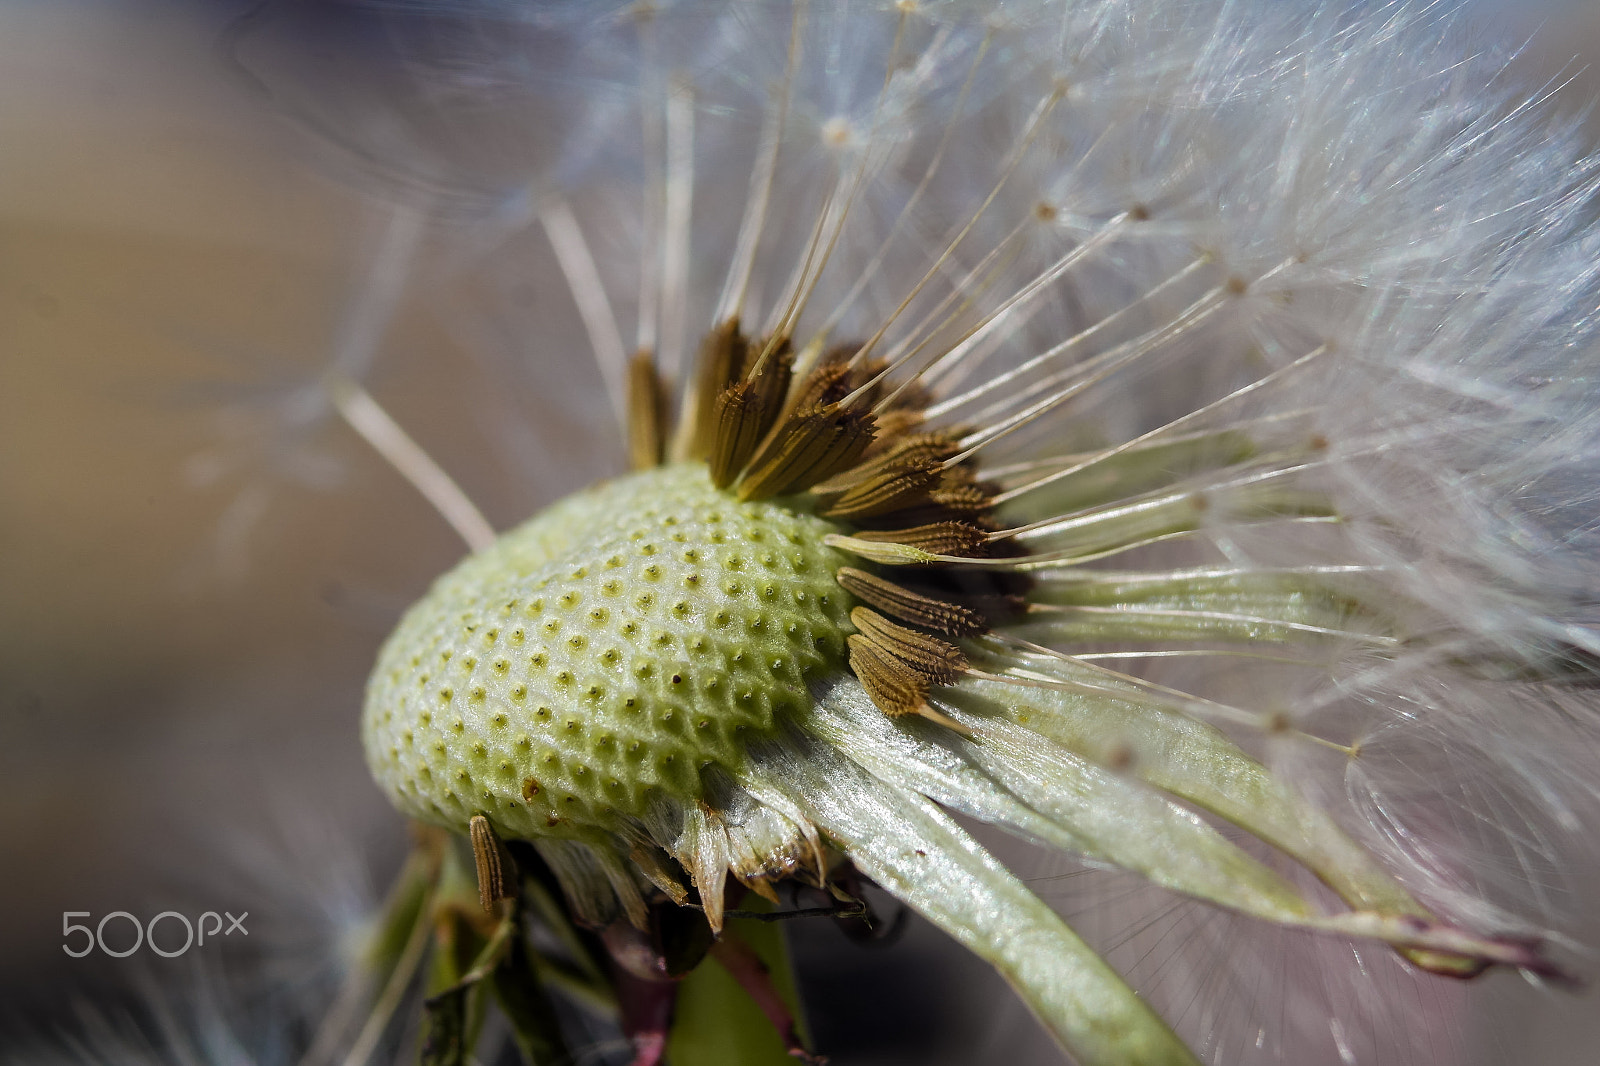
x,y
916,852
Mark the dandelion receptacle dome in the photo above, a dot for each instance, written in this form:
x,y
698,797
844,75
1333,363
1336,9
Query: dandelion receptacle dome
x,y
612,649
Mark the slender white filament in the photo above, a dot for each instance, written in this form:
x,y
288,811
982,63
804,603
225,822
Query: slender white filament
x,y
373,423
589,294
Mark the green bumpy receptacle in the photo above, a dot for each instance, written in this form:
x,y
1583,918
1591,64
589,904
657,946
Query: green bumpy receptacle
x,y
601,654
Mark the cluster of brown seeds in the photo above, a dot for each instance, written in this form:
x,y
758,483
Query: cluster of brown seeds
x,y
829,429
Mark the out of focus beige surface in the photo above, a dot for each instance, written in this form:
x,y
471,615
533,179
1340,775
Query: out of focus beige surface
x,y
180,654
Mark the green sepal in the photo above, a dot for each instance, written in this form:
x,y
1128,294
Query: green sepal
x,y
716,1023
447,1042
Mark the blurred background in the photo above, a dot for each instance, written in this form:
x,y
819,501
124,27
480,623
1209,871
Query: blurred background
x,y
197,562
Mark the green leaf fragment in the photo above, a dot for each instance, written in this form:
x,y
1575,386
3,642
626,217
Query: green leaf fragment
x,y
446,1043
466,965
581,966
717,1023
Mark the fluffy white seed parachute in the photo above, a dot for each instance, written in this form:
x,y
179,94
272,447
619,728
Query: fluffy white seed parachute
x,y
1263,339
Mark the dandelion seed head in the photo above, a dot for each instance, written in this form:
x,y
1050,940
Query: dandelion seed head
x,y
1210,322
1212,498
